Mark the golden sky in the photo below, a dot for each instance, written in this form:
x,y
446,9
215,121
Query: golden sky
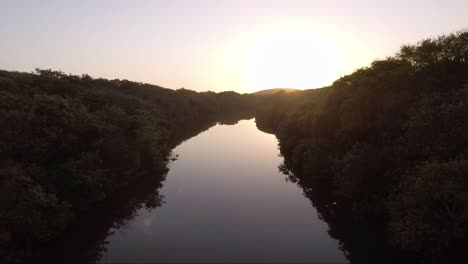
x,y
217,45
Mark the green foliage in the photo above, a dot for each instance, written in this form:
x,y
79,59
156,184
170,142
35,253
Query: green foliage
x,y
69,142
30,215
430,207
390,140
387,143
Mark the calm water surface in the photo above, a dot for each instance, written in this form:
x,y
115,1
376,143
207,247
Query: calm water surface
x,y
226,201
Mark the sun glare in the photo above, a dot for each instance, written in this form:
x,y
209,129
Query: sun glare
x,y
292,56
298,54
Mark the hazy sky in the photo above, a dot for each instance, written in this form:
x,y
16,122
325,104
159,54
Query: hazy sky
x,y
242,45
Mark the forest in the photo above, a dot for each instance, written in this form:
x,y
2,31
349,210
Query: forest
x,y
69,142
382,152
386,148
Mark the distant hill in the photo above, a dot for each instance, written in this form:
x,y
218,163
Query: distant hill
x,y
275,90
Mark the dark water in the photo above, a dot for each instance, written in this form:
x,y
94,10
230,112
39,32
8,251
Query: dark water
x,y
225,201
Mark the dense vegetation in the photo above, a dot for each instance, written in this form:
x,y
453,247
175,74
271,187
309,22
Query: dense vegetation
x,y
382,153
69,142
388,145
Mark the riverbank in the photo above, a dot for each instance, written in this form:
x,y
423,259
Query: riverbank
x,y
69,142
389,145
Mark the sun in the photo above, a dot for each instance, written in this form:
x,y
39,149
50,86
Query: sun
x,y
292,56
297,54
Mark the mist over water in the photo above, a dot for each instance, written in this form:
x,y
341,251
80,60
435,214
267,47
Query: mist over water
x,y
226,201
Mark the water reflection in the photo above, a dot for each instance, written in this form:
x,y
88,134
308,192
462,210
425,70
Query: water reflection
x,y
223,200
86,241
226,202
361,240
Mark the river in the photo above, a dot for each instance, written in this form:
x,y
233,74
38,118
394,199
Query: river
x,y
226,201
